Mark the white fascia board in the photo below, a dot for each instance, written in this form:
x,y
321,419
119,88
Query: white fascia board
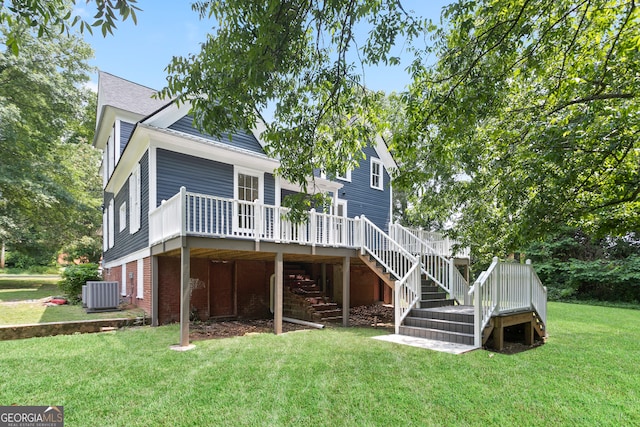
x,y
138,144
383,152
134,256
208,149
107,118
258,130
168,115
321,184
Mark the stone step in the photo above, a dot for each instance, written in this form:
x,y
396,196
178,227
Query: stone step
x,y
453,314
439,324
437,303
325,307
435,334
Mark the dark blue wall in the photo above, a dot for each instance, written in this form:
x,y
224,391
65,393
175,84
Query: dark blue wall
x,y
125,134
362,199
124,242
240,139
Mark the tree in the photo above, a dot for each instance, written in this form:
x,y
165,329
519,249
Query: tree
x,y
302,59
528,120
49,191
52,16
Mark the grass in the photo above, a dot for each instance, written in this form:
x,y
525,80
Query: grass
x,y
586,374
21,302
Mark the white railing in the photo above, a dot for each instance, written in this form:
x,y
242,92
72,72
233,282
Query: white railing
x,y
439,243
506,288
164,222
435,265
210,216
395,259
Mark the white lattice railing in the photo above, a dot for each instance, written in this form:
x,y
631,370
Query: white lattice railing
x,y
506,288
395,259
435,265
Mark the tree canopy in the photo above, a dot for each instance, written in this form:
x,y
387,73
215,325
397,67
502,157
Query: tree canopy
x,y
53,16
298,59
529,117
528,120
49,188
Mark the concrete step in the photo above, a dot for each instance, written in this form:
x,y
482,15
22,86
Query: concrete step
x,y
437,303
439,324
435,334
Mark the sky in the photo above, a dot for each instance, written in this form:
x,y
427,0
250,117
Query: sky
x,y
167,28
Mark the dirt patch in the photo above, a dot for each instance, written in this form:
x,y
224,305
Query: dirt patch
x,y
380,316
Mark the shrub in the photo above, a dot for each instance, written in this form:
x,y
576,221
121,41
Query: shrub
x,y
74,277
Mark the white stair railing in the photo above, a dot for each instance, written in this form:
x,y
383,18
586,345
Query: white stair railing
x,y
397,261
506,288
440,269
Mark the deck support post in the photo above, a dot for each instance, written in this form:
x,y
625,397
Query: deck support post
x,y
154,291
323,277
346,289
278,294
185,273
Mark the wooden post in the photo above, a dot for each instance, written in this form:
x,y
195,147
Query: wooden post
x,y
185,297
154,291
278,294
346,273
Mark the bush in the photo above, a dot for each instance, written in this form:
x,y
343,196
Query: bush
x,y
74,277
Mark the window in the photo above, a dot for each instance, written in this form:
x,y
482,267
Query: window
x,y
123,216
248,187
376,174
140,279
344,177
248,191
123,284
110,224
134,200
105,227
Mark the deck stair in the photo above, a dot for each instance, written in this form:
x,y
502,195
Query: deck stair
x,y
439,318
305,300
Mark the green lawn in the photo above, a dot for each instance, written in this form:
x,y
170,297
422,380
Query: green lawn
x,y
586,374
22,302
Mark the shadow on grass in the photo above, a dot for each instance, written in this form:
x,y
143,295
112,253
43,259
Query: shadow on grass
x,y
20,291
70,313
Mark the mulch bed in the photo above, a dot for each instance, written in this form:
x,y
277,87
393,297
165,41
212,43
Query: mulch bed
x,y
380,316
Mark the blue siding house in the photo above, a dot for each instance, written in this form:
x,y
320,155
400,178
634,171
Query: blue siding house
x,y
170,190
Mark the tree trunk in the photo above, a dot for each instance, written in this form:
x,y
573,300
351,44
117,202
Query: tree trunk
x,y
2,255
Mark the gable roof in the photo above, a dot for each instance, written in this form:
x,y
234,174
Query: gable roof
x,y
125,95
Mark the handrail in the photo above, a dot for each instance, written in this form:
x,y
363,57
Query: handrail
x,y
439,242
506,288
395,259
441,270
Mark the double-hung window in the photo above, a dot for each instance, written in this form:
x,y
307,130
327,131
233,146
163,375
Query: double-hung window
x,y
377,174
248,188
134,200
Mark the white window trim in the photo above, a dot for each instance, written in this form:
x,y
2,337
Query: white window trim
x,y
123,285
347,177
251,172
110,225
123,217
105,232
134,200
378,162
140,280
